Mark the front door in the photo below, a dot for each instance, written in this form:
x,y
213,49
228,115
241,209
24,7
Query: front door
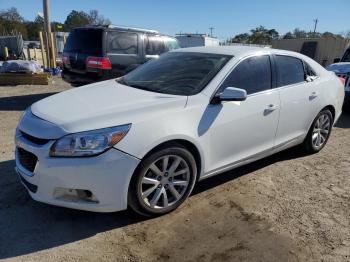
x,y
242,130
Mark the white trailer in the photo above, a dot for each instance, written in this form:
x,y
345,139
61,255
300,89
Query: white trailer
x,y
191,40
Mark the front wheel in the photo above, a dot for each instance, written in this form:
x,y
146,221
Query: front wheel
x,y
163,181
319,132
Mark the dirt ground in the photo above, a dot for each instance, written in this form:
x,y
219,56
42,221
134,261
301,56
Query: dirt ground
x,y
288,207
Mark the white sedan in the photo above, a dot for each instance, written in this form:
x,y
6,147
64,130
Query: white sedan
x,y
145,139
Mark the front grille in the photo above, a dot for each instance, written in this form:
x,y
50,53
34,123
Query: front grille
x,y
35,140
27,159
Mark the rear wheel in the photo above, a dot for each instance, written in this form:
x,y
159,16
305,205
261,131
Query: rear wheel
x,y
163,181
319,132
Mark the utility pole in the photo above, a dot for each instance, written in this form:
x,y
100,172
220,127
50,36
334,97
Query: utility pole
x,y
47,26
315,21
211,31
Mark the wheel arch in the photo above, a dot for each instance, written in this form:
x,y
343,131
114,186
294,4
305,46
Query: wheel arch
x,y
190,146
332,109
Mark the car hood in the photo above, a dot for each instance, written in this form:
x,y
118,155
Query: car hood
x,y
339,68
104,104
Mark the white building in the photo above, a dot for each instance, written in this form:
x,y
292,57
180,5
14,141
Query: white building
x,y
191,40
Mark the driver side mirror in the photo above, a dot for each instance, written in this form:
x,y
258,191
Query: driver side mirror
x,y
230,94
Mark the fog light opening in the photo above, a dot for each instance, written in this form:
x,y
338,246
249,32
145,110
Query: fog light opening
x,y
75,195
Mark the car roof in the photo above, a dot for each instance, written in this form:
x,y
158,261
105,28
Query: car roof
x,y
237,51
124,29
224,50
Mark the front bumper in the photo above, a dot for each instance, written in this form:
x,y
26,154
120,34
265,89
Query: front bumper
x,y
106,176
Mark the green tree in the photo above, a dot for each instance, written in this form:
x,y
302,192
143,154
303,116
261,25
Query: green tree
x,y
240,38
76,19
96,19
11,14
262,35
300,33
288,35
11,22
34,27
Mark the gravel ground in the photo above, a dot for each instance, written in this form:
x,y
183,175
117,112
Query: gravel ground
x,y
288,207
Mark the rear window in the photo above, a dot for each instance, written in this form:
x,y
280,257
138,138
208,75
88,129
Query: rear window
x,y
290,70
87,41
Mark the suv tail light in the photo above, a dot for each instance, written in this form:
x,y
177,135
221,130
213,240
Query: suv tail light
x,y
65,59
98,62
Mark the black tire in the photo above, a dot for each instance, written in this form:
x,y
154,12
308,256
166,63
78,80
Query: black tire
x,y
308,144
135,200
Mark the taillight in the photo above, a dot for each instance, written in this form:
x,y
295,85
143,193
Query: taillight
x,y
65,59
342,80
98,62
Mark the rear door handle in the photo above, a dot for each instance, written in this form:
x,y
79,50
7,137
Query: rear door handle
x,y
271,107
313,95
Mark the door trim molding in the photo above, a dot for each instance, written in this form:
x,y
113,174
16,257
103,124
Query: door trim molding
x,y
255,157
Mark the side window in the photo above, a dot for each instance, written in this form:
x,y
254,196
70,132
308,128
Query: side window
x,y
172,44
252,74
308,70
122,43
290,70
154,45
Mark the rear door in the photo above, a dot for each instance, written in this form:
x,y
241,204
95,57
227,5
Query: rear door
x,y
124,49
82,43
299,99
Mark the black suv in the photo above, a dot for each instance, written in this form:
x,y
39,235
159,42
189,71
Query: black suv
x,y
96,53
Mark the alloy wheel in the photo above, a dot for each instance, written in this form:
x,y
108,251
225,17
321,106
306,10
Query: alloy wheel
x,y
321,131
165,182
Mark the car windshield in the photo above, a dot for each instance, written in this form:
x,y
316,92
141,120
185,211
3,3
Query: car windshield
x,y
178,73
346,57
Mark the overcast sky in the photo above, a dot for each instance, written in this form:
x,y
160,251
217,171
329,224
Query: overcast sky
x,y
228,17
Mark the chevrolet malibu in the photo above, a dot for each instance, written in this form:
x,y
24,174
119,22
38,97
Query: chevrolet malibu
x,y
145,139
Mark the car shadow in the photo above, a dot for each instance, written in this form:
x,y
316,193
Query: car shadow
x,y
27,226
20,103
292,153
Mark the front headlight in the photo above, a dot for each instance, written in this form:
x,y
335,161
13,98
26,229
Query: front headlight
x,y
89,143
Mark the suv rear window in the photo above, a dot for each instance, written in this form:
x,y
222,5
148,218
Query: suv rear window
x,y
87,41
